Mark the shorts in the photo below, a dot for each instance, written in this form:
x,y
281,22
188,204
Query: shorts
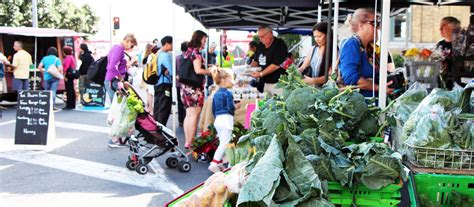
x,y
192,96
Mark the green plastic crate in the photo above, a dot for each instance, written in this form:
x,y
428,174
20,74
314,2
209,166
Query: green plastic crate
x,y
437,187
364,197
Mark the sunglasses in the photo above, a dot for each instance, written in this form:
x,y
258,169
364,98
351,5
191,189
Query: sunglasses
x,y
373,23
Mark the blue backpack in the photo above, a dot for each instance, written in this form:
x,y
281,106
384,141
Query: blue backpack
x,y
2,70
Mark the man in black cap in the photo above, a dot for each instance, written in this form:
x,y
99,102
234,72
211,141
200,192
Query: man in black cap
x,y
163,99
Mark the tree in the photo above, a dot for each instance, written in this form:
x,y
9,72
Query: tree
x,y
291,40
60,14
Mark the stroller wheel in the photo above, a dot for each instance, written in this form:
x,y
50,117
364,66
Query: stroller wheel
x,y
184,166
142,169
172,162
131,165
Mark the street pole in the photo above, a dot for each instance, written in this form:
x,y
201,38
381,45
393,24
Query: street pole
x,y
174,92
35,25
110,26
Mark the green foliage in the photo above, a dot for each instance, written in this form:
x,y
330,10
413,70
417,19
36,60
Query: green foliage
x,y
61,14
290,41
398,60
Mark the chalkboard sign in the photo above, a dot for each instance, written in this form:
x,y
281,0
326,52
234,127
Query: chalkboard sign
x,y
33,119
94,95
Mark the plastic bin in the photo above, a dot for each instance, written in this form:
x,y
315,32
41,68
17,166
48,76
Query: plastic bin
x,y
361,196
437,188
425,73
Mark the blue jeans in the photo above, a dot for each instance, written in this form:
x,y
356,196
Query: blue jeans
x,y
109,89
21,84
52,85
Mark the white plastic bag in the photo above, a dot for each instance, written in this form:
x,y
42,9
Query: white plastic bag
x,y
124,121
114,109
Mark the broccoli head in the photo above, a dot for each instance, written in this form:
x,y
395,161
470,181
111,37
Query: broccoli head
x,y
301,100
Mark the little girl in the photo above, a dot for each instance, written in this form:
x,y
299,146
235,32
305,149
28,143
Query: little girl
x,y
223,109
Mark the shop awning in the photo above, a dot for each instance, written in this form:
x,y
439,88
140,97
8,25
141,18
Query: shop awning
x,y
40,32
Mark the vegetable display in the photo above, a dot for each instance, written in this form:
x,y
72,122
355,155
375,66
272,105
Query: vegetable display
x,y
303,138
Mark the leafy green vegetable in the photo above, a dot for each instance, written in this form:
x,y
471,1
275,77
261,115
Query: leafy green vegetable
x,y
381,171
264,177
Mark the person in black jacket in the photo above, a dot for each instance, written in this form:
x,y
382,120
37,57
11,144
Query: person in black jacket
x,y
86,59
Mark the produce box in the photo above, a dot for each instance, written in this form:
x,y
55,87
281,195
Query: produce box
x,y
436,160
186,195
438,189
361,196
425,73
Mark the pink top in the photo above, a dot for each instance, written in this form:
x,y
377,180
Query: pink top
x,y
69,62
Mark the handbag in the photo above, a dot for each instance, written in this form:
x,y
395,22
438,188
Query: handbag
x,y
72,73
187,75
308,71
54,71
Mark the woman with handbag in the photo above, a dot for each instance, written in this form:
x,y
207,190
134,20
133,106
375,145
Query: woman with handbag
x,y
52,71
314,65
192,90
69,66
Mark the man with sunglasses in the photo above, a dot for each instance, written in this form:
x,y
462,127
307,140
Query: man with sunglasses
x,y
271,53
355,66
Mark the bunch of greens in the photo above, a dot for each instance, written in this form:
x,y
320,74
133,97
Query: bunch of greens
x,y
435,122
134,103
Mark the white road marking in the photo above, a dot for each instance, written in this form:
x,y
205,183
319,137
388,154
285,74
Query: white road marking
x,y
75,199
157,181
84,127
7,122
5,167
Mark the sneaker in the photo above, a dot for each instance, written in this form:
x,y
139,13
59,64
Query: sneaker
x,y
214,167
115,144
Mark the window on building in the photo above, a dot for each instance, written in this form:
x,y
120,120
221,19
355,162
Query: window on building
x,y
399,27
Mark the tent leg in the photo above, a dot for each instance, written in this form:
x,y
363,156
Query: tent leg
x,y
384,53
328,42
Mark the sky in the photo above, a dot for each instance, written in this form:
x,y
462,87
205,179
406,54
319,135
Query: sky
x,y
148,19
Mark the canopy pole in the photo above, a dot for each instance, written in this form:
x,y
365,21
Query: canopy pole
x,y
174,92
328,42
384,53
35,25
336,33
320,12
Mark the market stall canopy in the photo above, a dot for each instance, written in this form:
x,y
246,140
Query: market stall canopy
x,y
282,14
40,32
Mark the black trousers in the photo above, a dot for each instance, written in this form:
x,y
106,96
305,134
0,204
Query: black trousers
x,y
181,109
70,94
162,103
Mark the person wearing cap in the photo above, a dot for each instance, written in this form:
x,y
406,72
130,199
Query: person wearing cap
x,y
116,70
163,99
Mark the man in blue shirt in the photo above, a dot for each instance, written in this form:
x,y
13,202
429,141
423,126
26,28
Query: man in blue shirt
x,y
163,99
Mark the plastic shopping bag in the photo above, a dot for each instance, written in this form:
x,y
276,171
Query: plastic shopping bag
x,y
124,121
115,108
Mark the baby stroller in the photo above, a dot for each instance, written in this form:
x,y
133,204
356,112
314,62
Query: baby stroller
x,y
153,140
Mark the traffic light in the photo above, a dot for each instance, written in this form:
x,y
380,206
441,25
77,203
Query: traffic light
x,y
116,23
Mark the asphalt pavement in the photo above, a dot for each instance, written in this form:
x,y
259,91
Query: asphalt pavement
x,y
82,170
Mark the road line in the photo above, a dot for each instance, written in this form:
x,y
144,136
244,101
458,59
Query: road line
x,y
7,122
84,127
157,182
